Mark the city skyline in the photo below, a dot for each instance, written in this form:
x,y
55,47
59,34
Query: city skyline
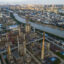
x,y
32,2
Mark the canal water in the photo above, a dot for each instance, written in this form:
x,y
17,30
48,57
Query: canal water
x,y
50,30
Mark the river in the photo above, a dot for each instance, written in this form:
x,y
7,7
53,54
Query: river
x,y
50,30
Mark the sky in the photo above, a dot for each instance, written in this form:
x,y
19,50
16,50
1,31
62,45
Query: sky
x,y
31,1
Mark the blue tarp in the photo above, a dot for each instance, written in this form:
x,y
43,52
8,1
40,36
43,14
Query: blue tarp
x,y
62,53
53,59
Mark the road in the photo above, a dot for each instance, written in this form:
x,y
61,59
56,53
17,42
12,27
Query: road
x,y
36,60
61,47
47,38
6,50
34,41
53,41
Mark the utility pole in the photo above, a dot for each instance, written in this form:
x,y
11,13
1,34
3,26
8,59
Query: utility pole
x,y
18,42
34,29
24,44
48,47
19,30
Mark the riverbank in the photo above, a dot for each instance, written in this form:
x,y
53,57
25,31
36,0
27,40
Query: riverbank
x,y
11,15
52,32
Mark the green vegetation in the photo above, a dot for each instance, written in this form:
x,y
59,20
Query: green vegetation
x,y
61,14
6,61
57,61
58,53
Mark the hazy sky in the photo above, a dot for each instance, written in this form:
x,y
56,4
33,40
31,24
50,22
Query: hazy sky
x,y
32,1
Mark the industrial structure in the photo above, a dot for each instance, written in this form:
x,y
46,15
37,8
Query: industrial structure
x,y
25,44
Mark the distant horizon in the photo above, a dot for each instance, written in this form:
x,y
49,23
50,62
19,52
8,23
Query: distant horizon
x,y
43,2
29,4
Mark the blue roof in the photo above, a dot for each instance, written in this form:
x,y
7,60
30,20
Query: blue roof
x,y
0,25
33,14
62,53
4,56
53,59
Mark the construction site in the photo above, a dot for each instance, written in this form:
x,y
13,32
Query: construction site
x,y
23,44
